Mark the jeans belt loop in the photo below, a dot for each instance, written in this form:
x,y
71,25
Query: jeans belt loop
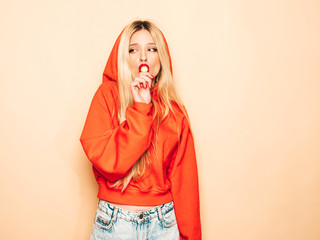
x,y
114,214
159,213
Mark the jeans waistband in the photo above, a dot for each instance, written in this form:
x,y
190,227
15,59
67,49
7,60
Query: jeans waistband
x,y
135,216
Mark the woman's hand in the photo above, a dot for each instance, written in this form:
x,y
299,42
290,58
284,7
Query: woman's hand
x,y
140,87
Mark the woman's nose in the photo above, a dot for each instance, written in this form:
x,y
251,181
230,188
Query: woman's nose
x,y
143,57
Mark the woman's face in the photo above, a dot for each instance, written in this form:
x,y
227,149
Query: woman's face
x,y
142,49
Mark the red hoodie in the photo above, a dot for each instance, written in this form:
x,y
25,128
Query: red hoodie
x,y
114,148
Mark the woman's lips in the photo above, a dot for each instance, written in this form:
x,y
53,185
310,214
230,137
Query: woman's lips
x,y
143,68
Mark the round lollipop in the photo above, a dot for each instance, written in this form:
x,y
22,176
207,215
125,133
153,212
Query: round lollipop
x,y
144,68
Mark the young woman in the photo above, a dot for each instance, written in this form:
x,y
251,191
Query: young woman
x,y
137,136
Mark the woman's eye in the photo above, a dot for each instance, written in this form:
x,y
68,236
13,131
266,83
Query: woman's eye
x,y
132,50
153,49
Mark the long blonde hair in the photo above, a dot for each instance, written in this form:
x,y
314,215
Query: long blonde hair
x,y
166,92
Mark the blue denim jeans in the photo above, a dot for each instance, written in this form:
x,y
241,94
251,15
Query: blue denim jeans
x,y
111,222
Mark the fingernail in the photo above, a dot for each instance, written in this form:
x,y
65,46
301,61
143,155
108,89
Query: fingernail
x,y
152,75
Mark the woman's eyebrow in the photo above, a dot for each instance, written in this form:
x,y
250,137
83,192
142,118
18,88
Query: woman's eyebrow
x,y
132,44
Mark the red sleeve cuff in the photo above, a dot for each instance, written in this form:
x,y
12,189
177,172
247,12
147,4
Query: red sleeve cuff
x,y
141,107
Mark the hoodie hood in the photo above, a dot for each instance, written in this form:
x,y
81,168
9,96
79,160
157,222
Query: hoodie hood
x,y
110,72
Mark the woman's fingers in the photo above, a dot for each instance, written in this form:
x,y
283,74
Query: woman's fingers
x,y
140,90
143,80
140,87
147,81
148,77
139,83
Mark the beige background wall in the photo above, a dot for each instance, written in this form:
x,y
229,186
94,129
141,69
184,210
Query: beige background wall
x,y
248,72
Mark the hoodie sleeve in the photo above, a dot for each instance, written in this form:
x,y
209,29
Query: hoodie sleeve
x,y
113,150
183,175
